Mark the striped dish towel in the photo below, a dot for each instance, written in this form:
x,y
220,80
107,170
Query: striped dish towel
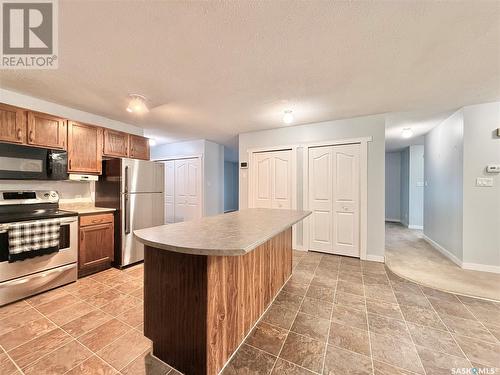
x,y
33,238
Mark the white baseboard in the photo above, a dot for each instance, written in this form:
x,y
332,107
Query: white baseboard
x,y
375,258
481,267
420,227
443,251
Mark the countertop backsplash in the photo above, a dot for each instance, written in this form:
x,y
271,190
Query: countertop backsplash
x,y
69,191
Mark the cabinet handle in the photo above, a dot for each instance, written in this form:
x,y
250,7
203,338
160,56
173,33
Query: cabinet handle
x,y
31,136
70,164
19,133
81,237
96,221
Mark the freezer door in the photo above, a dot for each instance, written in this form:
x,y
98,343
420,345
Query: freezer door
x,y
140,210
140,176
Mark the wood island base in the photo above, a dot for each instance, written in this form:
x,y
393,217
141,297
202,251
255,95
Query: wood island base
x,y
199,308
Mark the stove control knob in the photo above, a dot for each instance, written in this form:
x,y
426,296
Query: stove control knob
x,y
53,195
46,195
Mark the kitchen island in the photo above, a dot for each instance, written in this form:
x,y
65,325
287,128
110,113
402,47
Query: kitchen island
x,y
208,281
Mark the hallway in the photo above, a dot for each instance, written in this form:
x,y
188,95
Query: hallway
x,y
408,255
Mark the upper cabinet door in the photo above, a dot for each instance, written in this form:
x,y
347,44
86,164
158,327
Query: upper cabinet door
x,y
84,148
46,130
115,143
12,124
139,147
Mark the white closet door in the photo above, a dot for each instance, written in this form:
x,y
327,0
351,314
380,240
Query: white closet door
x,y
263,191
272,180
282,179
193,190
170,192
187,189
180,189
345,191
320,199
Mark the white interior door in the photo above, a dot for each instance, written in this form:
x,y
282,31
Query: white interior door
x,y
187,194
272,180
345,189
334,193
282,179
193,190
263,180
320,198
170,192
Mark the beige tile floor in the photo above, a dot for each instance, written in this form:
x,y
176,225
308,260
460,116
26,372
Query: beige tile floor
x,y
334,316
410,256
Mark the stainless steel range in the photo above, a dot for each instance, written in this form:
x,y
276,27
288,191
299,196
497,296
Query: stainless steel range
x,y
20,279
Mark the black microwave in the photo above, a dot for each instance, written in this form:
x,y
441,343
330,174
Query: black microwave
x,y
32,163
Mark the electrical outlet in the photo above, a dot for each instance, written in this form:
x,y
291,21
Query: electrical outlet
x,y
484,182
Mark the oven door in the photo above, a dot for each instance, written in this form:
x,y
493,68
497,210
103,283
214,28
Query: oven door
x,y
32,163
67,254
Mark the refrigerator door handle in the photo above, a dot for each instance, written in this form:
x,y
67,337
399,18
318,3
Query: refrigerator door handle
x,y
126,180
127,214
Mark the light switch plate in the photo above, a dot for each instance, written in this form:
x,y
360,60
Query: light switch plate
x,y
484,181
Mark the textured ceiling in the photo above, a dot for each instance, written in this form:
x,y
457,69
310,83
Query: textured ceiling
x,y
215,69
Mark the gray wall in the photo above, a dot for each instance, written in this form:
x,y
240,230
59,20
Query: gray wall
x,y
405,186
213,173
416,187
393,186
443,196
481,210
230,186
373,126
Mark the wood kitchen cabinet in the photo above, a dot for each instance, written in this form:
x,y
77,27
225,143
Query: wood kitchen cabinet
x,y
96,250
115,143
46,131
84,148
138,147
12,124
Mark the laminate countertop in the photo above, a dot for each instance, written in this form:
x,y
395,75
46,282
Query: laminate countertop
x,y
231,234
86,210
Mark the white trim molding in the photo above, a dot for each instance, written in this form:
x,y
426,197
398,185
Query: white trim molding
x,y
443,251
419,227
480,267
375,258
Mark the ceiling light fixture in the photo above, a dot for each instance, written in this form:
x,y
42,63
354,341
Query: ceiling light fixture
x,y
288,117
407,133
137,104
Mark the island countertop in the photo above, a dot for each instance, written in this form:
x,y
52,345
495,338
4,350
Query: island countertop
x,y
231,234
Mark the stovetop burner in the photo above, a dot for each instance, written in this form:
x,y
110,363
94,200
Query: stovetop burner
x,y
31,205
12,217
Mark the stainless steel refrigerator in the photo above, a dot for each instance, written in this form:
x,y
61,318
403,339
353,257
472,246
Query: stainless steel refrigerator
x,y
135,189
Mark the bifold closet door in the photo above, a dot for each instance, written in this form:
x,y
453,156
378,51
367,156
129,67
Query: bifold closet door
x,y
187,189
183,190
273,179
320,199
334,199
169,192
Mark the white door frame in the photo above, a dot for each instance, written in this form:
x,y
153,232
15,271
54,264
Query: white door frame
x,y
363,181
202,182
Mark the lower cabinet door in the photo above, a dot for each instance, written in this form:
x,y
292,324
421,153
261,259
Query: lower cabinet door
x,y
96,248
